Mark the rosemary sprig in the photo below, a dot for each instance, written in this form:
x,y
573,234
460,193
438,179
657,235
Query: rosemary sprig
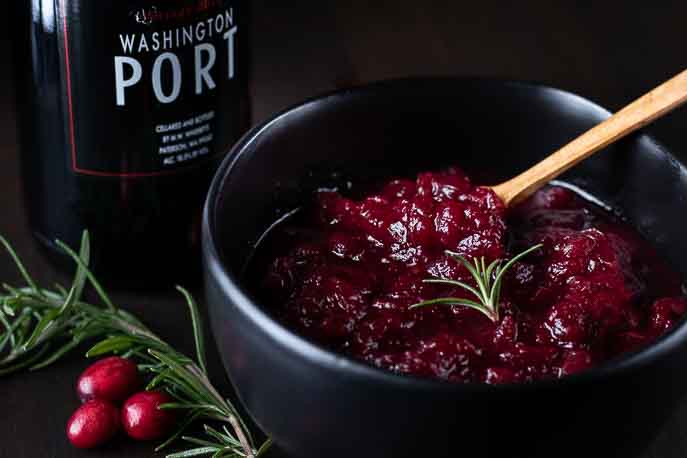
x,y
38,326
488,279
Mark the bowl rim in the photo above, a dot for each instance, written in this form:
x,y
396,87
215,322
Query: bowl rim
x,y
316,354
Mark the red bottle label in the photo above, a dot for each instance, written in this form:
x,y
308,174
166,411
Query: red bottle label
x,y
150,88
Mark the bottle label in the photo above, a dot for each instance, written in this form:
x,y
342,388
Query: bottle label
x,y
150,87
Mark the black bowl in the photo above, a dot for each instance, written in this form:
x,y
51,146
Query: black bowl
x,y
316,403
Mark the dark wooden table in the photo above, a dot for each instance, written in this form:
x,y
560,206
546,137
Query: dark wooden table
x,y
609,53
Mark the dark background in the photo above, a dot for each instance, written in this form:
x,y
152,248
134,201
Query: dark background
x,y
610,52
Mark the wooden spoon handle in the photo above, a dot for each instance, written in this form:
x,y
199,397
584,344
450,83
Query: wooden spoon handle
x,y
639,113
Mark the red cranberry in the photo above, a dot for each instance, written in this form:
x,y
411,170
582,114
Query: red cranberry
x,y
142,417
336,210
445,267
449,224
576,361
629,341
506,333
447,357
570,219
568,324
347,280
346,246
375,219
499,375
442,186
533,361
665,312
399,189
554,198
415,216
93,424
112,379
484,199
381,326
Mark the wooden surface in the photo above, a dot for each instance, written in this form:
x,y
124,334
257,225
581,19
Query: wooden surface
x,y
609,53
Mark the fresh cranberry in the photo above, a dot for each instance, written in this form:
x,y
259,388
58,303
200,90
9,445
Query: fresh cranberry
x,y
93,424
143,419
111,379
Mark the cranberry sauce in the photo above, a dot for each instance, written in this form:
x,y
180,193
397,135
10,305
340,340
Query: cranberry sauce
x,y
344,273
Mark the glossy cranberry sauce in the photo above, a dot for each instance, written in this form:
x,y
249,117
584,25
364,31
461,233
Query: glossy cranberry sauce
x,y
344,273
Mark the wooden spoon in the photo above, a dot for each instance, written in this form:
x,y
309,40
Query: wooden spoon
x,y
639,113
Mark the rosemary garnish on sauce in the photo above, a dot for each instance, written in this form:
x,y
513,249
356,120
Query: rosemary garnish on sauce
x,y
488,279
38,326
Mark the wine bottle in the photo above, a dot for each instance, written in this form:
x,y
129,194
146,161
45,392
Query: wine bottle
x,y
126,108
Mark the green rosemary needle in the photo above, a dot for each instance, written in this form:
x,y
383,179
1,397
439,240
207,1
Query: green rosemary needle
x,y
488,283
39,326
